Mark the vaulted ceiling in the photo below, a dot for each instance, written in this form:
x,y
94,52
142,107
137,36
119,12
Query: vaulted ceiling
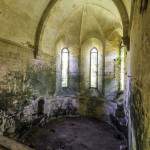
x,y
44,22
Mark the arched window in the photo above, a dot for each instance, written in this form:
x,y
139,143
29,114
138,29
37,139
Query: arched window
x,y
94,68
64,67
122,55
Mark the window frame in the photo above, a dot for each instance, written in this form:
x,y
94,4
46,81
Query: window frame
x,y
91,68
67,67
122,68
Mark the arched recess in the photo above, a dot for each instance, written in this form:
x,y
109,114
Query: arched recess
x,y
72,86
40,26
125,20
85,66
119,4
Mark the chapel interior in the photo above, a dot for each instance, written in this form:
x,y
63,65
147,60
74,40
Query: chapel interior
x,y
74,75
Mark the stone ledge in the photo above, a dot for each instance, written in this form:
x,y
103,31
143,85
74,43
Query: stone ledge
x,y
10,144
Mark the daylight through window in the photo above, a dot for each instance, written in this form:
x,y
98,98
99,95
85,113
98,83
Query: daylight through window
x,y
65,66
94,68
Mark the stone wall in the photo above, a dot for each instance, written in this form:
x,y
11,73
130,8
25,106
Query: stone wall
x,y
13,57
22,76
140,76
112,74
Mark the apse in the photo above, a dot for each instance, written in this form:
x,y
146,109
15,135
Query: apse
x,y
74,69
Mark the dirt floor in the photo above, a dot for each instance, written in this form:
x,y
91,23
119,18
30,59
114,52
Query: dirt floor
x,y
74,134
